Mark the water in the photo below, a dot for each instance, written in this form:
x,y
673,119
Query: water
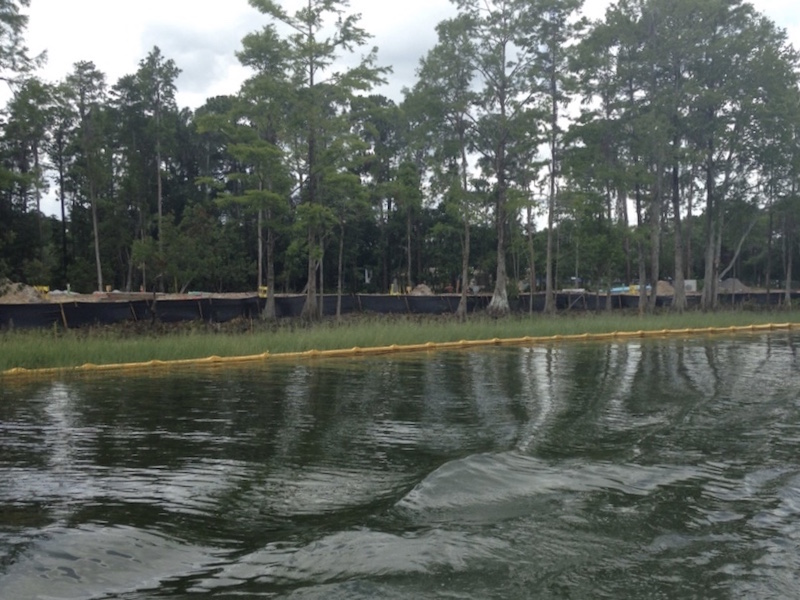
x,y
658,469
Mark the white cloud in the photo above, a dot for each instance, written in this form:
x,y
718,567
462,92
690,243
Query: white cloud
x,y
202,36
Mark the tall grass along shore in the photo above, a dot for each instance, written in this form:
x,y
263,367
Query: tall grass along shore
x,y
57,348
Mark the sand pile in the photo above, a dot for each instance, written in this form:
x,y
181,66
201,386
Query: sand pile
x,y
733,286
422,290
18,293
664,288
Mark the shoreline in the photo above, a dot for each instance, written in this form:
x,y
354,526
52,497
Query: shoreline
x,y
37,354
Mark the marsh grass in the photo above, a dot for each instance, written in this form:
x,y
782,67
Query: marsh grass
x,y
59,348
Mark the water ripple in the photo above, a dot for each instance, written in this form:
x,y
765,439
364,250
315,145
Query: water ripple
x,y
481,483
359,554
90,562
649,469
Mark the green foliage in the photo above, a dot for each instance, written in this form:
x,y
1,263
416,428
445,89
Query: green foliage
x,y
81,275
15,62
687,109
57,348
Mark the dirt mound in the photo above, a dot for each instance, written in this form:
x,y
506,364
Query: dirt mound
x,y
19,293
733,286
664,288
422,290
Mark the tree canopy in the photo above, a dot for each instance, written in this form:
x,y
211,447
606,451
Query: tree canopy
x,y
658,142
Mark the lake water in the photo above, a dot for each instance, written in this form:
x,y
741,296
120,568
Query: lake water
x,y
651,468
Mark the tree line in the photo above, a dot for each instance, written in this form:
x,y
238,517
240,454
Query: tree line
x,y
536,149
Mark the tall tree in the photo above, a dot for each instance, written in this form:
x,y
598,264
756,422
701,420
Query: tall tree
x,y
320,33
25,136
88,89
444,94
383,127
732,77
553,36
156,77
28,129
15,67
505,67
15,62
404,189
349,203
61,149
133,155
597,140
265,107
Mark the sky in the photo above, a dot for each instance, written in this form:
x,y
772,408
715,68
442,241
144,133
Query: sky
x,y
202,36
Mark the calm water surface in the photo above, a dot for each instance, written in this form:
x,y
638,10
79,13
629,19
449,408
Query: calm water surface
x,y
649,469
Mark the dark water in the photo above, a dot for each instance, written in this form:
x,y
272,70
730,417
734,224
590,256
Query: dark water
x,y
650,469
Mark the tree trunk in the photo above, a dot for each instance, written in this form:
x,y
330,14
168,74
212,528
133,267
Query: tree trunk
x,y
259,236
788,237
738,249
655,240
160,201
38,192
409,280
129,274
158,181
531,258
461,311
549,299
709,298
689,267
549,294
269,308
96,232
642,276
787,289
679,299
385,256
499,302
340,276
321,267
768,275
62,198
640,247
310,310
622,219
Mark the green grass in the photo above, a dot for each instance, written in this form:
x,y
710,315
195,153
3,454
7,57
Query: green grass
x,y
57,348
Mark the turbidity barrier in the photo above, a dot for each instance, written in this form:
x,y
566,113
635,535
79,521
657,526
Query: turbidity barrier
x,y
112,308
20,372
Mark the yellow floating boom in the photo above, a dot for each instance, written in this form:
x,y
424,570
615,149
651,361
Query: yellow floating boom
x,y
150,365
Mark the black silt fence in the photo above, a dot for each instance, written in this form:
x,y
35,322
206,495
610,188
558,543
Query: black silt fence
x,y
220,310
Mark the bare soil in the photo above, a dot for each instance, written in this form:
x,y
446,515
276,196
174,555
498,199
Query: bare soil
x,y
20,293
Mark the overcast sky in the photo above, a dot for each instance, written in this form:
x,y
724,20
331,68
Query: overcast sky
x,y
201,36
